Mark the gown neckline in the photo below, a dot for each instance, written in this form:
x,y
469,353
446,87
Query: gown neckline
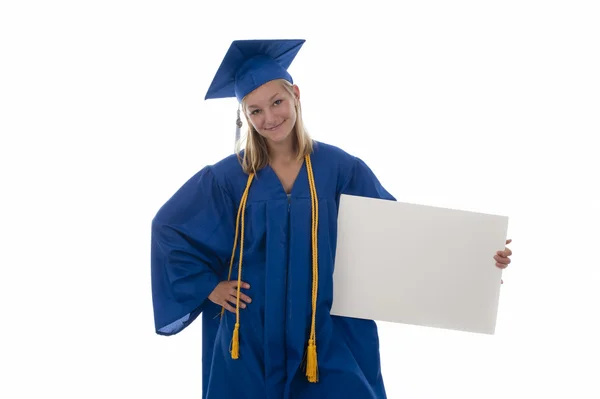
x,y
295,186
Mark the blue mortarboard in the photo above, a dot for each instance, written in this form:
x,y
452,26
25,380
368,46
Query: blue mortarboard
x,y
249,64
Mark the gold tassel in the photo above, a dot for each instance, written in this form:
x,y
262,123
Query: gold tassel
x,y
235,342
311,362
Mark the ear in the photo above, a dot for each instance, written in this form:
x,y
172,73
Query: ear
x,y
296,92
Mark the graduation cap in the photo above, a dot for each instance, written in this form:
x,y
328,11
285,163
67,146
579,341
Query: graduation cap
x,y
248,64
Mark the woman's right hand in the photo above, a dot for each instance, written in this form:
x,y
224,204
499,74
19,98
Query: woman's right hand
x,y
225,294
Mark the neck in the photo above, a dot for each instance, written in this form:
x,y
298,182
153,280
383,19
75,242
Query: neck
x,y
282,151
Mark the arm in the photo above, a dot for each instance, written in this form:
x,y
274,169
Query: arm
x,y
191,236
361,181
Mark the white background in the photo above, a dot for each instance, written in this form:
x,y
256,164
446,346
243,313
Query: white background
x,y
483,106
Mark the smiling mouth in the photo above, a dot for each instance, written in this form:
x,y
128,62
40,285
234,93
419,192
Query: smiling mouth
x,y
273,128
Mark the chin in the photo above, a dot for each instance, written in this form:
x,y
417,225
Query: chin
x,y
278,138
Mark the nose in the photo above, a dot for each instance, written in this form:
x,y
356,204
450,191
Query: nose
x,y
270,119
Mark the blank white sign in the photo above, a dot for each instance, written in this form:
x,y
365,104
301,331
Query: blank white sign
x,y
417,264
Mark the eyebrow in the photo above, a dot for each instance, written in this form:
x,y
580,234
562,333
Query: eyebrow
x,y
271,99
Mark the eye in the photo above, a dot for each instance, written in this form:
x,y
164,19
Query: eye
x,y
255,112
278,102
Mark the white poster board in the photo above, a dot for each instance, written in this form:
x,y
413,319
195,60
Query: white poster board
x,y
417,264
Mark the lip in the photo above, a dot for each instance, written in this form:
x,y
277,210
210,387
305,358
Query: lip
x,y
274,128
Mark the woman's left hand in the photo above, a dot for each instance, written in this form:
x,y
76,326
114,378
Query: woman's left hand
x,y
503,257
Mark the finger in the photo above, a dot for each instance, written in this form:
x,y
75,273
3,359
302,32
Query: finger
x,y
233,300
234,284
502,263
227,306
506,253
501,259
245,298
234,293
508,241
501,281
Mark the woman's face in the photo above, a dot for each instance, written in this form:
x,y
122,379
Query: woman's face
x,y
271,110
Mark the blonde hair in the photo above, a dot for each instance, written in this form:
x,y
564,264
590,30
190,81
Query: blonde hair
x,y
256,152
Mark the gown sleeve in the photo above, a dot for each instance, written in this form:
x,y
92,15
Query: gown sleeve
x,y
362,182
191,237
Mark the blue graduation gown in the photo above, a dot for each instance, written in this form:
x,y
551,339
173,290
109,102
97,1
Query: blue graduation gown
x,y
192,240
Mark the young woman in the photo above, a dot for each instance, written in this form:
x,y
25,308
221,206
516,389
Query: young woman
x,y
249,243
